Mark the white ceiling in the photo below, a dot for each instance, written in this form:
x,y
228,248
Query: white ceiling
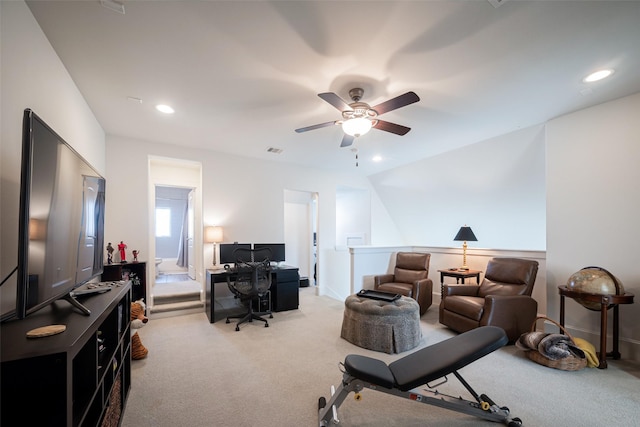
x,y
242,75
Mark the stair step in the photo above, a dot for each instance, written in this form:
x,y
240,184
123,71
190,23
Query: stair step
x,y
176,309
176,298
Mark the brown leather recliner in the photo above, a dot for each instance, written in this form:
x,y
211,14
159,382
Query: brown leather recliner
x,y
503,299
410,278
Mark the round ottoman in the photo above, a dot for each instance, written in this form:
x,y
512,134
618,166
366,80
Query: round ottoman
x,y
391,327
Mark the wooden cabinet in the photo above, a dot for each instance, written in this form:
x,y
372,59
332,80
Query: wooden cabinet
x,y
80,377
138,278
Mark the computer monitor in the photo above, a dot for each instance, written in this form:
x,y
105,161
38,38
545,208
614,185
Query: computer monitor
x,y
277,250
226,251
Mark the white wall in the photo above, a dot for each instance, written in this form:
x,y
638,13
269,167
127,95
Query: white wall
x,y
497,187
32,76
353,217
244,196
593,159
568,187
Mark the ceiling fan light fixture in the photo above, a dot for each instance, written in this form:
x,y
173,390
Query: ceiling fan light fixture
x,y
357,126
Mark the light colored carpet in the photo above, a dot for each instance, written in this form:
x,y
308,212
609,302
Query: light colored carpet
x,y
202,374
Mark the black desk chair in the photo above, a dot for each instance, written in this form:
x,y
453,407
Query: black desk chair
x,y
251,282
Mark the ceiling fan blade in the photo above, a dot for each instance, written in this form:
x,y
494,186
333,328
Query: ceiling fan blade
x,y
336,101
347,140
391,127
397,102
318,126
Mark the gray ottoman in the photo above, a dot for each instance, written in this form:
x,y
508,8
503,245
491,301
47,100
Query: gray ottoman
x,y
391,327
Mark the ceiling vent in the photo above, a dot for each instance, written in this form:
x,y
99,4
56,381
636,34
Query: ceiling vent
x,y
274,150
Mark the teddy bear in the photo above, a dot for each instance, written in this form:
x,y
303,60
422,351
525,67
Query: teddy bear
x,y
138,320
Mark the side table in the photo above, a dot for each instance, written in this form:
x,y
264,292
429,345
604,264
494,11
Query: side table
x,y
606,302
459,275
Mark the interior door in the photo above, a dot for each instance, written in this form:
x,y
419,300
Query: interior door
x,y
191,269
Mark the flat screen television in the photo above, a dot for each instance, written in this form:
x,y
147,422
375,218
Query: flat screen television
x,y
61,223
226,251
277,250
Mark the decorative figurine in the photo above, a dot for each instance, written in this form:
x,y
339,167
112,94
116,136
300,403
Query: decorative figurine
x,y
110,250
135,255
123,254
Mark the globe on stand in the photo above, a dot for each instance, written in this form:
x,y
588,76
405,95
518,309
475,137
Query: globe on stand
x,y
594,280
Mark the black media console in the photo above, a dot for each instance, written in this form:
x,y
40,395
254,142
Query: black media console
x,y
80,377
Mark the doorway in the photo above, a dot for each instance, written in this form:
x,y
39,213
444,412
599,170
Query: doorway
x,y
175,221
301,232
174,232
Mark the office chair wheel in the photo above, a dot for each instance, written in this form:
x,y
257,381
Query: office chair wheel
x,y
516,422
227,321
270,316
266,325
237,328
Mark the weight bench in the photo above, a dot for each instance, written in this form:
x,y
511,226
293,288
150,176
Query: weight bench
x,y
404,376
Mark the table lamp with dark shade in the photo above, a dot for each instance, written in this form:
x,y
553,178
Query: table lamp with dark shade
x,y
465,234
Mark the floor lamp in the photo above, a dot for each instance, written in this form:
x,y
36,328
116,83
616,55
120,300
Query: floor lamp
x,y
213,235
465,234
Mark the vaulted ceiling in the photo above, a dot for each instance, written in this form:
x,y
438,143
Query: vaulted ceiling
x,y
242,75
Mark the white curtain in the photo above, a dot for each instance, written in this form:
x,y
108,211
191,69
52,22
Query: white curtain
x,y
183,256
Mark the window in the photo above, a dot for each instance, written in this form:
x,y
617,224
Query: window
x,y
163,222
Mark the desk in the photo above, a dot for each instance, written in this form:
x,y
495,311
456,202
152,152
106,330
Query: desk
x,y
605,301
285,284
459,275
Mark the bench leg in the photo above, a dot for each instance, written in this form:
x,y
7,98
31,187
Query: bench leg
x,y
328,411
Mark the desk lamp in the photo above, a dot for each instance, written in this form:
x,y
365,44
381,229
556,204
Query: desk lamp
x,y
213,235
465,234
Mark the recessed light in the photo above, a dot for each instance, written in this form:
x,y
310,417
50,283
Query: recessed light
x,y
377,158
164,109
598,75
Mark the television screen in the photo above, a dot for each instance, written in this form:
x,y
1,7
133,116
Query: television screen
x,y
61,225
277,250
226,251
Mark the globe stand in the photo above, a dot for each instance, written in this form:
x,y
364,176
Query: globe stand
x,y
606,302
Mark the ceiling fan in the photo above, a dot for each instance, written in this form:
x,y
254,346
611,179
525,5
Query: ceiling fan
x,y
358,117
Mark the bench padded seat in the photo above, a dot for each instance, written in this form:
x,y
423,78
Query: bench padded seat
x,y
429,363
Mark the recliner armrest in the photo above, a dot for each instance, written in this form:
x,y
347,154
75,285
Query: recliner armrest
x,y
463,290
423,293
513,313
382,278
